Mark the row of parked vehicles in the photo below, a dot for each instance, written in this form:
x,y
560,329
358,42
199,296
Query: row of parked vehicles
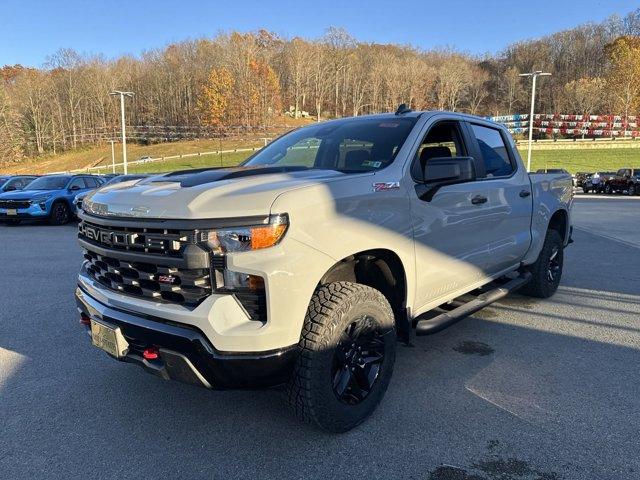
x,y
625,180
54,198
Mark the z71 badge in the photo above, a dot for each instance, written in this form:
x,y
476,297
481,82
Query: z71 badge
x,y
384,186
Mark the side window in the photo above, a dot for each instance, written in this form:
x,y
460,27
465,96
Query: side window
x,y
442,140
77,182
91,182
493,149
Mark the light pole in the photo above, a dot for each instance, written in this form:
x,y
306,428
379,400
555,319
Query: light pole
x,y
113,157
534,75
124,138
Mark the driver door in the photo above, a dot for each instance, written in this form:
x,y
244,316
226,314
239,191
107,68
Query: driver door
x,y
450,232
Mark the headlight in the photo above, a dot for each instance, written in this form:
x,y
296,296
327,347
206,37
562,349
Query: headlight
x,y
243,239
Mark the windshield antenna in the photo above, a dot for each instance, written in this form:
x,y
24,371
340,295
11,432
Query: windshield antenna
x,y
403,109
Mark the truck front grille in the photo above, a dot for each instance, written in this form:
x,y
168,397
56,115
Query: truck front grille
x,y
156,282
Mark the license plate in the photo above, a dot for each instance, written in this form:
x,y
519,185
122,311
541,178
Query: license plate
x,y
12,211
108,338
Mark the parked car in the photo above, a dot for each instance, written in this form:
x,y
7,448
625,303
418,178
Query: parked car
x,y
625,180
595,182
305,265
77,202
47,198
17,182
580,178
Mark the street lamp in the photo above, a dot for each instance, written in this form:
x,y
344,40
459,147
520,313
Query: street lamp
x,y
124,138
534,75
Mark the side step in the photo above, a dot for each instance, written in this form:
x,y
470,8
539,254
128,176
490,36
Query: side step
x,y
444,320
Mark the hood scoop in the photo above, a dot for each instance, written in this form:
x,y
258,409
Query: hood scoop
x,y
193,178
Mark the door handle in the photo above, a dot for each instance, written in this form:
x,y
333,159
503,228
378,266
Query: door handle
x,y
525,193
478,199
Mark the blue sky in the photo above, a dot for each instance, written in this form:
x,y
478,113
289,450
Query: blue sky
x,y
32,29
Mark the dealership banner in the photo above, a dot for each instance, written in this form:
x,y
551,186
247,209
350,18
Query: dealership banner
x,y
569,124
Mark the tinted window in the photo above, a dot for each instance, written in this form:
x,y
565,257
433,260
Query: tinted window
x,y
49,183
442,140
77,182
91,182
353,145
494,151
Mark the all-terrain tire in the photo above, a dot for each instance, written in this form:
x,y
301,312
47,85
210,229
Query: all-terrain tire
x,y
313,391
547,269
60,214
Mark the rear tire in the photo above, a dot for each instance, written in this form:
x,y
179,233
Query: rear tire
x,y
346,356
547,269
60,214
632,191
608,190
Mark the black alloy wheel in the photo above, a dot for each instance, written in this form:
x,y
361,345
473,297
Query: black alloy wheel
x,y
357,360
59,214
554,267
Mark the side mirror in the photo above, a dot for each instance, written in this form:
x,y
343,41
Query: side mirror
x,y
442,171
74,187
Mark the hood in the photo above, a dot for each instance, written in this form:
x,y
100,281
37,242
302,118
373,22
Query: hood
x,y
27,194
212,193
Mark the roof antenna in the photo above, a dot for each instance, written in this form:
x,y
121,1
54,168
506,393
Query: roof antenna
x,y
402,109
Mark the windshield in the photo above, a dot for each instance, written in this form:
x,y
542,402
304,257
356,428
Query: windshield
x,y
124,178
49,183
358,145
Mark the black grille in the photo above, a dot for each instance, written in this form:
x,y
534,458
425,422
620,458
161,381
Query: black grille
x,y
255,304
157,282
15,203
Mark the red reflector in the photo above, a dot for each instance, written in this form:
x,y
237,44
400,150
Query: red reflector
x,y
150,353
84,319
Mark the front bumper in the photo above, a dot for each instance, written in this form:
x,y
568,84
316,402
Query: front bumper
x,y
185,353
34,211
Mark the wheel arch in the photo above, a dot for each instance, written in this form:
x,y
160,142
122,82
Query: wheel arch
x,y
381,269
559,221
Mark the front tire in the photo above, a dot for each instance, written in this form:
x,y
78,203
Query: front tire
x,y
632,191
60,214
547,269
346,356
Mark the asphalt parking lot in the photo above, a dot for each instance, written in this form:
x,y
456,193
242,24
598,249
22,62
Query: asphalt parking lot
x,y
524,389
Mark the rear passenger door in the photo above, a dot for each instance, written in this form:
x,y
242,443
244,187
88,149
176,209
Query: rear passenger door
x,y
507,211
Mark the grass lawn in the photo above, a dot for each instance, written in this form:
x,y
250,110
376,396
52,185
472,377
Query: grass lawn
x,y
584,160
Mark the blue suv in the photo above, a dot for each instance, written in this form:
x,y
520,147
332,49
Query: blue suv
x,y
49,198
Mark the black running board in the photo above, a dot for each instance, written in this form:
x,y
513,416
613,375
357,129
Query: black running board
x,y
444,320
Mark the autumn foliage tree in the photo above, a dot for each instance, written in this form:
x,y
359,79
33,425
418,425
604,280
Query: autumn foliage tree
x,y
216,97
624,74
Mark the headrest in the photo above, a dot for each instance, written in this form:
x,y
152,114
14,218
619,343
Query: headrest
x,y
433,152
354,159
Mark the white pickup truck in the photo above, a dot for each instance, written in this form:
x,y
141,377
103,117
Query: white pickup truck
x,y
304,266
